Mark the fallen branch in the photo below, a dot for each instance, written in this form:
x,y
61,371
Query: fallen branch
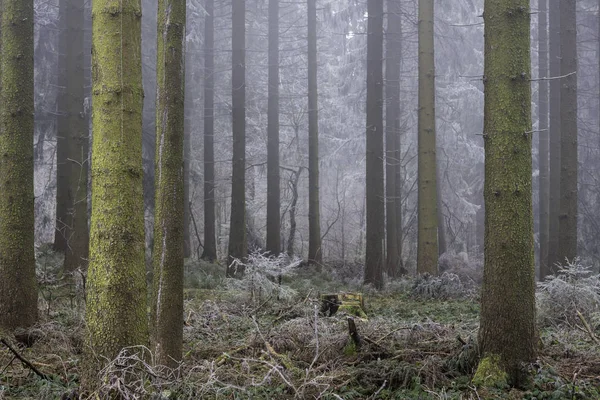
x,y
24,360
587,328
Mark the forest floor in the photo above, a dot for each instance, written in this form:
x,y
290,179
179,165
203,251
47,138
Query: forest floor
x,y
255,339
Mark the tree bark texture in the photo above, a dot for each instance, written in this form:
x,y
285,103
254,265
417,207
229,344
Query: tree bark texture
x,y
555,132
314,215
237,230
427,250
543,138
507,323
273,180
393,56
375,234
567,218
210,243
167,302
72,234
116,315
18,286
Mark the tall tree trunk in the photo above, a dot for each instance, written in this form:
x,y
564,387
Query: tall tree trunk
x,y
237,228
554,163
18,286
314,218
72,235
116,315
567,225
167,301
210,243
544,136
374,175
393,53
507,334
427,250
273,181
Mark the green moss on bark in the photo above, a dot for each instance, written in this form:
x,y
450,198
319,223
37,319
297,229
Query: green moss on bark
x,y
490,373
18,285
116,294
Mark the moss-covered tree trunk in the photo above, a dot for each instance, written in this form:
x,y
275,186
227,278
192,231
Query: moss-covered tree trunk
x,y
554,132
507,335
116,293
210,243
18,285
567,219
375,234
393,53
314,214
273,180
72,234
543,137
167,257
427,250
237,228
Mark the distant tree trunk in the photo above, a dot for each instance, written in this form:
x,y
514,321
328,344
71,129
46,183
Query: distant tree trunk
x,y
273,181
314,219
507,334
427,251
544,136
210,243
167,301
293,182
72,235
237,228
116,314
554,163
374,175
567,225
392,133
18,286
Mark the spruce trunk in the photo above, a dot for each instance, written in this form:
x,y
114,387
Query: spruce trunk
x,y
543,136
427,251
314,218
116,315
507,334
168,255
392,134
237,229
18,285
567,218
273,181
375,234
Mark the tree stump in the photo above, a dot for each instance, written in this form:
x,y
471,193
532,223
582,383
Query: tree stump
x,y
351,303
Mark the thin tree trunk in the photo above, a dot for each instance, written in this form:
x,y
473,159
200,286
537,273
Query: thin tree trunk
x,y
554,163
116,314
392,132
544,136
210,243
507,334
442,241
567,225
18,286
294,187
374,175
72,235
273,181
427,251
314,219
237,229
167,301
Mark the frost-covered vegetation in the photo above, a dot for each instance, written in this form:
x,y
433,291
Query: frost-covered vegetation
x,y
258,338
